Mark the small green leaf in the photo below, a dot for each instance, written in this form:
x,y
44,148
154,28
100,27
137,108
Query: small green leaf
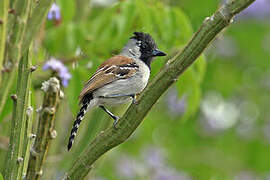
x,y
1,177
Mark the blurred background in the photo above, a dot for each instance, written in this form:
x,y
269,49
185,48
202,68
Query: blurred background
x,y
214,123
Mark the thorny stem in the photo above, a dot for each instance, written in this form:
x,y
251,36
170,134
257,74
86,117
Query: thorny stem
x,y
28,136
16,150
3,26
16,28
33,24
164,79
45,130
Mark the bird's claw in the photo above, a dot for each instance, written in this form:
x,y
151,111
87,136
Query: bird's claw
x,y
115,122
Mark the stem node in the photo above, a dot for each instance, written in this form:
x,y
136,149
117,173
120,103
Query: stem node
x,y
14,97
33,68
20,160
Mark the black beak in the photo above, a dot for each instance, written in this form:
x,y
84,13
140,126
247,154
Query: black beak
x,y
157,52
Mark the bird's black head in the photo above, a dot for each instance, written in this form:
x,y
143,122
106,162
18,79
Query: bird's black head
x,y
148,47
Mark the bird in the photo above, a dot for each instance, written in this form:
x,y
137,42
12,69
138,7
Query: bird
x,y
119,79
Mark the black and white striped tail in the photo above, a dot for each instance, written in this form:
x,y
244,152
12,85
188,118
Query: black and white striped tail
x,y
77,122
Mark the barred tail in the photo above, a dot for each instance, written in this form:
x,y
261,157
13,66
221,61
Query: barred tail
x,y
77,122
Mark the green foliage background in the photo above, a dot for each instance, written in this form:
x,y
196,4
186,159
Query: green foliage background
x,y
187,148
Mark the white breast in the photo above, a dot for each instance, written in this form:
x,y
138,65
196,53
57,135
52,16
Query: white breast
x,y
133,85
142,76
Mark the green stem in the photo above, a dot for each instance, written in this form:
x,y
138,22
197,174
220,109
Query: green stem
x,y
16,145
16,29
3,24
34,22
28,136
45,130
164,79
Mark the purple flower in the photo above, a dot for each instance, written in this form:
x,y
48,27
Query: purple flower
x,y
176,106
259,9
154,157
128,168
54,12
60,68
245,175
224,46
170,174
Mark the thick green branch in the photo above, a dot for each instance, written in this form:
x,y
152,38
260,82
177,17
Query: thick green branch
x,y
16,146
45,131
168,75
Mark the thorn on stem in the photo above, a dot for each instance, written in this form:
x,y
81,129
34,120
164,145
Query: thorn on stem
x,y
11,11
49,110
29,111
33,152
38,110
39,173
14,97
33,68
1,21
53,134
20,159
61,95
206,19
32,136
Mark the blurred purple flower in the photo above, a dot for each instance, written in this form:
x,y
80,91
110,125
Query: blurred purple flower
x,y
60,68
259,10
223,46
152,165
176,105
54,12
245,175
154,157
129,168
170,174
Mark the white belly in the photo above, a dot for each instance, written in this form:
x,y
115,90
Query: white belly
x,y
134,85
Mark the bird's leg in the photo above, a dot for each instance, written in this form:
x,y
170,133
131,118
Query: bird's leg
x,y
122,95
116,118
133,96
